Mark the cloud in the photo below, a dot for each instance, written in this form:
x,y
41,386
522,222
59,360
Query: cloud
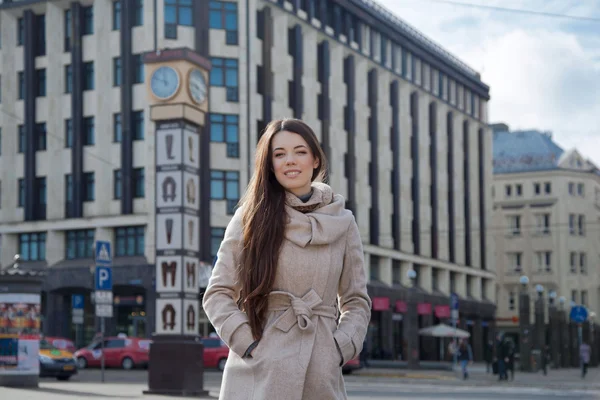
x,y
543,72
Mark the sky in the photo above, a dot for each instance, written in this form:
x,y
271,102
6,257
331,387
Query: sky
x,y
543,72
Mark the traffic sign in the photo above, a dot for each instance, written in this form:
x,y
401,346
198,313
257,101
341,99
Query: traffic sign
x,y
579,314
103,278
454,301
103,256
77,302
103,297
104,310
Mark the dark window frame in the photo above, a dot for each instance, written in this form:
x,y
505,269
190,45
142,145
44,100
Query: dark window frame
x,y
30,243
89,186
79,244
226,121
126,235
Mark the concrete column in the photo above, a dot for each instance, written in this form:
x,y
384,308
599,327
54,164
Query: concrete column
x,y
524,330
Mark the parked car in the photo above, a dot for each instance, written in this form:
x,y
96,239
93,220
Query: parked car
x,y
351,365
61,343
55,362
119,352
215,353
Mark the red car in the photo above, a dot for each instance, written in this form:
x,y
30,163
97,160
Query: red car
x,y
119,352
215,353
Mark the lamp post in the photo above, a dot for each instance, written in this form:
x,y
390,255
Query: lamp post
x,y
592,321
412,323
524,324
554,329
564,333
540,326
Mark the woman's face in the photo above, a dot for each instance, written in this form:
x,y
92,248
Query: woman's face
x,y
293,162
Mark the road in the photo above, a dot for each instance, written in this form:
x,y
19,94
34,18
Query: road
x,y
130,384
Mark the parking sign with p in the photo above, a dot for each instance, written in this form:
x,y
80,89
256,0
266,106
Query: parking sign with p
x,y
103,278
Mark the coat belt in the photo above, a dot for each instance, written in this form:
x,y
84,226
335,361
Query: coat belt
x,y
299,310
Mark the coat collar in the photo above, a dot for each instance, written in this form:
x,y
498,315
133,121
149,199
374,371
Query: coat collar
x,y
323,219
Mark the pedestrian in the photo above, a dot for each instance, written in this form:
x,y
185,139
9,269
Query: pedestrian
x,y
545,359
488,356
465,356
502,356
510,360
290,264
584,356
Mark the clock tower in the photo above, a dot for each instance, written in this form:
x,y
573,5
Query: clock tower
x,y
176,83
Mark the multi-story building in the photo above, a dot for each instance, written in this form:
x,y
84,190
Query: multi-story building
x,y
403,122
546,221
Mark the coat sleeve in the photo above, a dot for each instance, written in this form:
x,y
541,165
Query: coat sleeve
x,y
221,309
354,302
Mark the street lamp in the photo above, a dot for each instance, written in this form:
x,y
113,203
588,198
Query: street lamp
x,y
14,264
524,281
552,297
539,289
412,276
562,300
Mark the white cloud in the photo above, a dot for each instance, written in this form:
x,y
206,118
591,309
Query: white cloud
x,y
543,72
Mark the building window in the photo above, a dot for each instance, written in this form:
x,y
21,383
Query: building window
x,y
581,225
537,188
130,241
89,131
511,300
514,223
508,189
572,218
32,246
573,262
88,71
138,15
514,260
69,132
117,184
224,73
374,272
544,261
88,186
67,30
547,188
223,15
117,71
68,192
542,223
138,61
216,237
21,77
224,129
177,12
40,44
584,298
580,190
22,139
117,127
396,272
225,185
42,193
21,192
116,15
519,189
138,183
574,295
138,125
40,133
582,263
88,20
571,188
80,244
20,31
68,79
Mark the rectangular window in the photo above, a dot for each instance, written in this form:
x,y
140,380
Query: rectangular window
x,y
544,260
40,134
89,131
117,127
79,244
138,183
138,14
116,15
572,218
224,73
117,71
224,128
584,298
32,246
223,15
68,33
581,225
216,237
88,20
177,12
22,138
542,223
374,270
68,133
88,71
514,260
574,295
21,78
582,263
89,186
511,300
20,31
519,189
537,188
580,190
68,79
40,75
547,188
138,125
138,61
40,44
130,241
571,188
514,223
68,191
573,262
508,189
40,184
117,184
225,185
21,192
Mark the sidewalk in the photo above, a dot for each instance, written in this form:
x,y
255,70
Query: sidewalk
x,y
556,378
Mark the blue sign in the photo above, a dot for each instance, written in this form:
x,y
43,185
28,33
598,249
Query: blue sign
x,y
77,302
103,278
454,301
103,256
579,314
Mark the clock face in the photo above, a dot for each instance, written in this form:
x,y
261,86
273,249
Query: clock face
x,y
197,86
164,82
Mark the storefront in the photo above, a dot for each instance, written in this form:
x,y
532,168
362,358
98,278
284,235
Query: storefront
x,y
386,334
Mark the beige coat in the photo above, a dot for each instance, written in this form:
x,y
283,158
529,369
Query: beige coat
x,y
321,264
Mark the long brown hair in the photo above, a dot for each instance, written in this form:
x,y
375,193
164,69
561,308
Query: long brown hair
x,y
264,221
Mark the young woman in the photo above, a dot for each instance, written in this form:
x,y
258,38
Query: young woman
x,y
288,290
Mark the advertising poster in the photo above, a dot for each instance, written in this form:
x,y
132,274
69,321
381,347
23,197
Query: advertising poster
x,y
19,334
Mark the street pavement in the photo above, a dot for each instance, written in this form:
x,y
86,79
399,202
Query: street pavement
x,y
366,384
